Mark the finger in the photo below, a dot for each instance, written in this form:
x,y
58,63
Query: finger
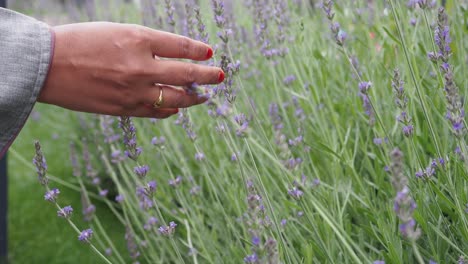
x,y
172,97
149,111
184,73
165,44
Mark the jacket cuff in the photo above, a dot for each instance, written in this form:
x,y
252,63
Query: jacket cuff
x,y
26,51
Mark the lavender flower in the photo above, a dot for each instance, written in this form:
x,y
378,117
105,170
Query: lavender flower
x,y
315,182
243,125
169,9
116,156
51,195
402,103
404,204
129,139
283,222
202,34
108,251
364,88
184,120
151,187
257,221
251,258
90,172
199,156
379,262
40,163
119,198
338,34
106,125
85,235
327,8
288,80
189,21
88,212
131,244
168,230
74,161
141,171
145,203
295,193
175,182
462,260
152,221
88,208
195,190
103,193
378,141
65,212
455,110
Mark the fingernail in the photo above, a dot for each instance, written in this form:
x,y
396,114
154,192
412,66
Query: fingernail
x,y
209,54
177,110
148,106
221,76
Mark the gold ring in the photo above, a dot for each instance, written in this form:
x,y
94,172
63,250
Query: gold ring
x,y
159,102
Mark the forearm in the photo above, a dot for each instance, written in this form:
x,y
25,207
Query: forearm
x,y
26,48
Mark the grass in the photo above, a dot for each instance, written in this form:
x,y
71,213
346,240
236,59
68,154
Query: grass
x,y
348,217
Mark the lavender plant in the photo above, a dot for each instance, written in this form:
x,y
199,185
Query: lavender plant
x,y
289,171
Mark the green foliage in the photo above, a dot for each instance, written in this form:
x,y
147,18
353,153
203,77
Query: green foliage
x,y
347,218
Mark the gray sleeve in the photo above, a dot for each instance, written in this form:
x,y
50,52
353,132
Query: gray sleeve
x,y
26,49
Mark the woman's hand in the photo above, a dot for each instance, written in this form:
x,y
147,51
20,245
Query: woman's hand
x,y
112,69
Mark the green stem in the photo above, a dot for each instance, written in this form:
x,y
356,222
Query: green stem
x,y
417,253
413,76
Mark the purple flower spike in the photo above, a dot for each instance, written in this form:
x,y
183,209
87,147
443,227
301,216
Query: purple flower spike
x,y
199,156
40,163
168,230
295,193
288,80
256,240
152,221
175,182
85,235
119,198
151,186
364,87
408,130
103,193
141,171
51,195
378,141
129,138
251,258
88,212
65,212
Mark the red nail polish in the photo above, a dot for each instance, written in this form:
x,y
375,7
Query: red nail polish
x,y
221,76
209,54
177,110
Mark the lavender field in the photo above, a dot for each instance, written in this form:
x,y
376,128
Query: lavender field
x,y
337,136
